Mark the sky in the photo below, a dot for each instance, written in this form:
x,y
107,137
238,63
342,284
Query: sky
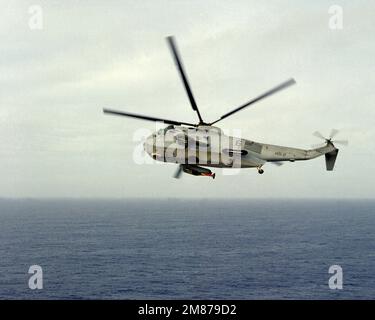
x,y
56,76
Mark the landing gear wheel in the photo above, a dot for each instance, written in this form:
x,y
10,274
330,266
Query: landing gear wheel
x,y
260,171
213,176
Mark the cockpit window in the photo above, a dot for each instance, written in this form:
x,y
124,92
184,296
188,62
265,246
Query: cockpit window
x,y
163,131
166,129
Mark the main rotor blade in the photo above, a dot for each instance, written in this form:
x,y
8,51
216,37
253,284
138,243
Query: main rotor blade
x,y
139,116
262,96
178,61
318,135
178,172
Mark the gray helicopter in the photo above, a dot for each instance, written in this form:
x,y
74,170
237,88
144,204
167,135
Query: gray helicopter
x,y
194,147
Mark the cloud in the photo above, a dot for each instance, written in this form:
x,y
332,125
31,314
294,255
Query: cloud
x,y
54,82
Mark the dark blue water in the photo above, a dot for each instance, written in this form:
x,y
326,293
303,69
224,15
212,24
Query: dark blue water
x,y
194,249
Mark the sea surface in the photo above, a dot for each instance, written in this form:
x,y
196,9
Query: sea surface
x,y
187,249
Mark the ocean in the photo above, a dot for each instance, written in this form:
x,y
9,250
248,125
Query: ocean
x,y
187,249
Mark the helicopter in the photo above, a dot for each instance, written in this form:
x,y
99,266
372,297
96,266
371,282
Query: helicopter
x,y
196,147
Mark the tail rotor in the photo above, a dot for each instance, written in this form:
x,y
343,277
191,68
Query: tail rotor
x,y
329,140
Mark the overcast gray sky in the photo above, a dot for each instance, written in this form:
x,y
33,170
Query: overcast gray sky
x,y
55,141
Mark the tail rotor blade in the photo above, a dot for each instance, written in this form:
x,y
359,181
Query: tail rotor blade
x,y
319,135
334,132
342,142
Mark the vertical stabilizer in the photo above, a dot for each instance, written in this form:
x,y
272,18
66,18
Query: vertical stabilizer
x,y
331,159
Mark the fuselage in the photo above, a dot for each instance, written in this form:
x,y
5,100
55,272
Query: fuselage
x,y
209,146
